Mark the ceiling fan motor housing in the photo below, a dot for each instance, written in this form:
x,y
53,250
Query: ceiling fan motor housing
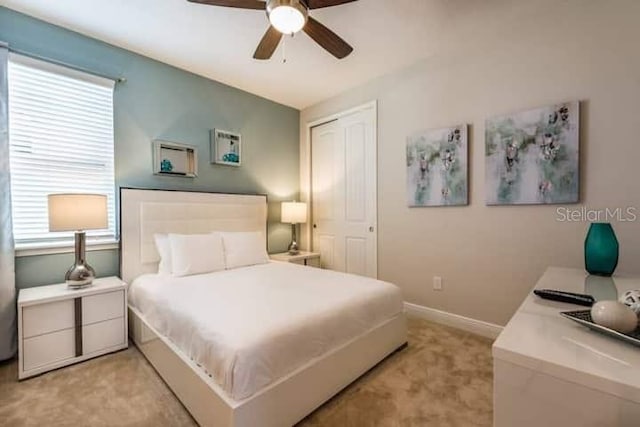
x,y
288,7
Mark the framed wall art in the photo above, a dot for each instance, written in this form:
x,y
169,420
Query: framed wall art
x,y
175,159
532,157
226,148
437,172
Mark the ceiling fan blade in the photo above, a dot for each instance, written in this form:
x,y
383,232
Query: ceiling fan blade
x,y
318,4
268,44
327,39
240,4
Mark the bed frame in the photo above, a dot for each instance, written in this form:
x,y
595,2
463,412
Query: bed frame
x,y
288,400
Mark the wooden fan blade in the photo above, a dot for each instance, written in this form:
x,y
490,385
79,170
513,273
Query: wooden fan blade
x,y
318,4
327,39
268,44
240,4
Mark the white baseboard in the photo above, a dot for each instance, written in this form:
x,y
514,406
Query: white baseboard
x,y
479,327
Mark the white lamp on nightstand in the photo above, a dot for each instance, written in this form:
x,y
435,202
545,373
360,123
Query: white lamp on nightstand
x,y
294,213
78,212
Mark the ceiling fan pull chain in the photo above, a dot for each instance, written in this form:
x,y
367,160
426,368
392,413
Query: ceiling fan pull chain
x,y
284,51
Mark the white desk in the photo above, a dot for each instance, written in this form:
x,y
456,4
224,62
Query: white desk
x,y
550,371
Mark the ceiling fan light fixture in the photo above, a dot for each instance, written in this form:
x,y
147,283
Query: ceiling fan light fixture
x,y
287,16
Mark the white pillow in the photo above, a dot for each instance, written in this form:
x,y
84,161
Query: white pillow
x,y
244,248
196,253
164,250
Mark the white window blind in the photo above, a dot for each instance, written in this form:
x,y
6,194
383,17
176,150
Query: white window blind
x,y
61,141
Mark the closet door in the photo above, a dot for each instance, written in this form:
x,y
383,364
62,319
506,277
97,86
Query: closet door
x,y
343,187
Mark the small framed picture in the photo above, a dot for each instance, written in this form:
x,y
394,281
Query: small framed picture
x,y
176,159
226,148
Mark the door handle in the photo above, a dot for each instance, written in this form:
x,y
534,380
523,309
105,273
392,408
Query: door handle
x,y
315,225
371,229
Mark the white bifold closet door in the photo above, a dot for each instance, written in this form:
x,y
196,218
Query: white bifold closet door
x,y
343,187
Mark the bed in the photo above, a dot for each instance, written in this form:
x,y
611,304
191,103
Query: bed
x,y
262,345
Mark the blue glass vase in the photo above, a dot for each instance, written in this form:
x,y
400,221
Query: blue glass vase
x,y
601,249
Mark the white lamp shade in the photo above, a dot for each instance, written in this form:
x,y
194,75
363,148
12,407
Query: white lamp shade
x,y
70,212
294,212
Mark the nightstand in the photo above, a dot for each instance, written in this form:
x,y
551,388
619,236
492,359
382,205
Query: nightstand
x,y
58,326
312,259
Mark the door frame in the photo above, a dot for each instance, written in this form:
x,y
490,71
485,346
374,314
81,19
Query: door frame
x,y
308,177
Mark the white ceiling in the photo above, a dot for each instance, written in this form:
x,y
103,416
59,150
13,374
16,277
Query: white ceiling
x,y
219,42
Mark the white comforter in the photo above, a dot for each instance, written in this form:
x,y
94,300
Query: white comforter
x,y
250,326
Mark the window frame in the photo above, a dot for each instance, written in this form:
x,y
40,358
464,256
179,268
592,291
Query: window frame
x,y
94,243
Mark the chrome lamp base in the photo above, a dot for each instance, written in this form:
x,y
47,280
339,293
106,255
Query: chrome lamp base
x,y
293,246
80,274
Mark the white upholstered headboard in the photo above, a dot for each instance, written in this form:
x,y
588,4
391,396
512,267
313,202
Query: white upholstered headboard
x,y
146,212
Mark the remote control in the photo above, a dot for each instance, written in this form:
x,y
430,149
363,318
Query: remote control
x,y
570,297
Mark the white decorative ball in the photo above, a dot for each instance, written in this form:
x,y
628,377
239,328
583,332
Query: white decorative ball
x,y
614,315
632,300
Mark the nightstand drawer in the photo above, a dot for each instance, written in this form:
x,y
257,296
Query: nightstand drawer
x,y
309,262
50,348
100,307
46,318
314,262
309,259
103,335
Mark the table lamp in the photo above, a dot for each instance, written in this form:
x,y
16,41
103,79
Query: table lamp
x,y
294,213
78,212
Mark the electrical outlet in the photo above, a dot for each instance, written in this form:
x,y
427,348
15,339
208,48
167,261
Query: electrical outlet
x,y
437,283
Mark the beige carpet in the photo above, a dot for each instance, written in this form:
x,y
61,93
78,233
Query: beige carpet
x,y
443,378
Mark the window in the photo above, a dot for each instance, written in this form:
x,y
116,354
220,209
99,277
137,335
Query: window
x,y
61,141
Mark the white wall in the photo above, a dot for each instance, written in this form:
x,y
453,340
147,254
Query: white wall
x,y
508,56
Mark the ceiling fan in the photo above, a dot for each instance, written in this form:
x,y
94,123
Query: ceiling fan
x,y
289,17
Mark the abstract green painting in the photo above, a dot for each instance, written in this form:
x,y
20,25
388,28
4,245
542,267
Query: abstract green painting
x,y
532,157
437,167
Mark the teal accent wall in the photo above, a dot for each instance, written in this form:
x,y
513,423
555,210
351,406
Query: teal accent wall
x,y
159,101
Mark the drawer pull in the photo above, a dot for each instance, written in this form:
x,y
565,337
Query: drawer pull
x,y
78,326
